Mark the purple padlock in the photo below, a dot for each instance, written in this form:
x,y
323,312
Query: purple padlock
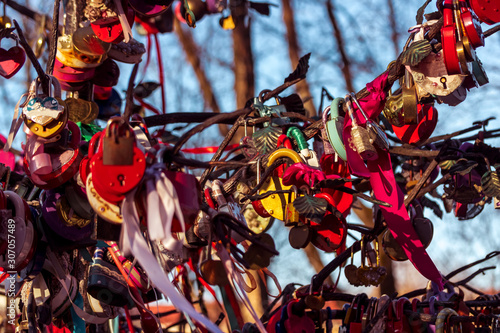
x,y
52,219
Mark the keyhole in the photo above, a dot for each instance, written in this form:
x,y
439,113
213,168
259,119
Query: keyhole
x,y
109,31
121,180
443,81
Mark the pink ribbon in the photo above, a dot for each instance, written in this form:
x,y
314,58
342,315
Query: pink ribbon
x,y
384,184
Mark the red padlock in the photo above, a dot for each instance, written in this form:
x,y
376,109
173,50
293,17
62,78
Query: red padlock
x,y
420,132
471,24
119,165
488,11
110,29
448,40
332,232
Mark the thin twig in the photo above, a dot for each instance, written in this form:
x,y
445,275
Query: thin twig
x,y
54,36
31,55
130,94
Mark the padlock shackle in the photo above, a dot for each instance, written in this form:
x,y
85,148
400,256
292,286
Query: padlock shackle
x,y
76,136
284,140
334,108
217,186
283,152
18,203
296,133
92,148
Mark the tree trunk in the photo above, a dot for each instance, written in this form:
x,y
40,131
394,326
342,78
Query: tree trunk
x,y
294,52
346,62
244,76
193,57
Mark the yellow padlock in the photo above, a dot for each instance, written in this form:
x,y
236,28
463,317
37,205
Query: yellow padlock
x,y
275,204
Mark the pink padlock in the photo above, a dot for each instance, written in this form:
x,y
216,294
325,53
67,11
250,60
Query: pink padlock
x,y
69,74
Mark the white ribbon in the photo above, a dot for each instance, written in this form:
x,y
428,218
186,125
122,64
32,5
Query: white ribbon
x,y
236,280
163,205
133,242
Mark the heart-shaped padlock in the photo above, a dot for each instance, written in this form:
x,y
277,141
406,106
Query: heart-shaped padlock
x,y
11,60
331,233
45,116
412,134
119,165
50,170
110,29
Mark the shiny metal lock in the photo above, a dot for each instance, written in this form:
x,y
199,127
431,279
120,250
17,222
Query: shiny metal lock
x,y
45,116
228,206
80,110
393,109
410,101
118,148
490,183
350,272
292,216
377,134
360,137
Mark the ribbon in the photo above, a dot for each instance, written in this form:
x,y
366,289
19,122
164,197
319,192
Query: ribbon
x,y
384,185
208,150
133,242
236,280
163,204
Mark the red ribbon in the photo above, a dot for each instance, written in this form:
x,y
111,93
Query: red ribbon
x,y
207,150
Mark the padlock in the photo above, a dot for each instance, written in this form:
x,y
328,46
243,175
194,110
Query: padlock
x,y
51,170
228,206
45,116
300,236
442,317
471,24
93,54
51,218
105,209
393,109
107,74
256,256
12,60
350,272
408,91
87,48
371,275
68,216
335,127
309,156
490,183
114,28
314,301
118,165
376,133
80,110
360,137
331,233
20,243
487,11
129,53
400,321
414,134
72,75
212,271
291,214
275,204
297,321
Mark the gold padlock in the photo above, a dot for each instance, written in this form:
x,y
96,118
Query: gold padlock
x,y
360,136
291,214
409,93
